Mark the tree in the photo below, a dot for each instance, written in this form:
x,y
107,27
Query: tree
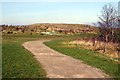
x,y
108,23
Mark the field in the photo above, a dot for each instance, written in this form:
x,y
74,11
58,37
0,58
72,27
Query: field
x,y
20,63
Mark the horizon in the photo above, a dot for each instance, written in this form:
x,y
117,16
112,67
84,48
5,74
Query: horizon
x,y
25,13
45,23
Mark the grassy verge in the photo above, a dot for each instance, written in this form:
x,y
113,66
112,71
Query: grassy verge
x,y
87,56
17,62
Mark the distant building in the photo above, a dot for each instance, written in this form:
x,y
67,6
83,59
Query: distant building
x,y
119,13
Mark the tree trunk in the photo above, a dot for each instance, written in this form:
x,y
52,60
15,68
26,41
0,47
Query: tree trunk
x,y
106,41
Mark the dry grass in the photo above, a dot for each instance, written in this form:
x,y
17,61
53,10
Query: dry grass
x,y
99,47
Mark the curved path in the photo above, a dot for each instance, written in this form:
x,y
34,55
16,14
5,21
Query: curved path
x,y
58,65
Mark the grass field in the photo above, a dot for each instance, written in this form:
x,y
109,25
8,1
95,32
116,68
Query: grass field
x,y
18,62
87,56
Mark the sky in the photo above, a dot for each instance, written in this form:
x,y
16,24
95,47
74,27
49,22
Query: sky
x,y
74,12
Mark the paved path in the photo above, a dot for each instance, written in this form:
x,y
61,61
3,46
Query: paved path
x,y
58,65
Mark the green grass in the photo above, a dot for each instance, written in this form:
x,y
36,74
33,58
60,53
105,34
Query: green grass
x,y
17,62
87,56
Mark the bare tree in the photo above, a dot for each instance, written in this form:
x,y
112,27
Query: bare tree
x,y
108,22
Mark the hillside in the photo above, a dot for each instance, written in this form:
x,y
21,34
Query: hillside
x,y
43,27
65,26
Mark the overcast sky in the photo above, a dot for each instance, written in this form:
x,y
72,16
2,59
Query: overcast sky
x,y
14,12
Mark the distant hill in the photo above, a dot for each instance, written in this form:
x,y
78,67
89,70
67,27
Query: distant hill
x,y
65,26
43,27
